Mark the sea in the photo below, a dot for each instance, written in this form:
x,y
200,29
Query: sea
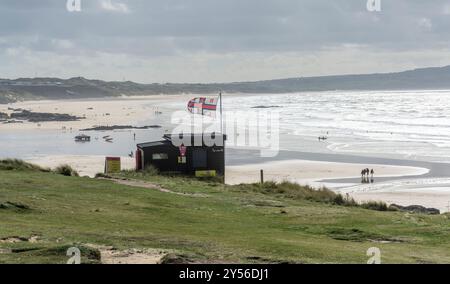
x,y
410,125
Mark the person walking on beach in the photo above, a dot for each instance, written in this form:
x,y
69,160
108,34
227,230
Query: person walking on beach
x,y
365,176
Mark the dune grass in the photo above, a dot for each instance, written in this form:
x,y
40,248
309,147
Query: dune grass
x,y
19,165
209,222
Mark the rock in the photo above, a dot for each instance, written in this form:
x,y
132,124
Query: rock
x,y
3,116
120,127
415,209
42,117
12,205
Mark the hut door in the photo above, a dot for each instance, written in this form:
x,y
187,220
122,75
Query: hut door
x,y
199,159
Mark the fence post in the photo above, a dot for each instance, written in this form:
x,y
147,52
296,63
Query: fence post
x,y
262,177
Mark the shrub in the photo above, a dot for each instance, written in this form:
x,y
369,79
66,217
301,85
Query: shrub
x,y
66,170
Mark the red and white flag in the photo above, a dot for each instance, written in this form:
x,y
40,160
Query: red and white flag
x,y
203,106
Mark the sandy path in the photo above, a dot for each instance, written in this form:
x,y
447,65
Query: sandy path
x,y
109,255
149,185
131,257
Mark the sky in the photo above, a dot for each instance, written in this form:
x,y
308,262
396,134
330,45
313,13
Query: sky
x,y
206,41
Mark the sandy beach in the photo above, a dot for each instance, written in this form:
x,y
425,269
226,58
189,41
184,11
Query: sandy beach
x,y
311,172
95,112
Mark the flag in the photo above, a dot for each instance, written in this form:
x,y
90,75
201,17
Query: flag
x,y
203,106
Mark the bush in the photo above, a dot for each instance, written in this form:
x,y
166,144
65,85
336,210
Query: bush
x,y
66,170
19,165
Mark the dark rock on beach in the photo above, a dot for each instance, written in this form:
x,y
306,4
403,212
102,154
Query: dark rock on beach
x,y
12,121
416,209
43,117
3,116
120,127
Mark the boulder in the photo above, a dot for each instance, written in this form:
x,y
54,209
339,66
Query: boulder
x,y
415,209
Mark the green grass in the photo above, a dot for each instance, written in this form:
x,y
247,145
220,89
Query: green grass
x,y
233,224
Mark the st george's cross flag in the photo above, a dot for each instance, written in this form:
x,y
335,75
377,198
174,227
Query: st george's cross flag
x,y
203,106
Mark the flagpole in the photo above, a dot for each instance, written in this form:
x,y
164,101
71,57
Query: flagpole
x,y
221,113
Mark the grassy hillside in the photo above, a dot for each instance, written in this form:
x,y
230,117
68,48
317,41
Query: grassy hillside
x,y
43,213
78,88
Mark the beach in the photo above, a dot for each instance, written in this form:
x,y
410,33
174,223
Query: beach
x,y
93,112
312,172
302,158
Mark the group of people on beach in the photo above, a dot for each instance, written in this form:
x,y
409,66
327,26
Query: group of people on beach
x,y
367,176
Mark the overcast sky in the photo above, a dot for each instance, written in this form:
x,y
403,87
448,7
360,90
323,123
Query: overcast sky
x,y
219,40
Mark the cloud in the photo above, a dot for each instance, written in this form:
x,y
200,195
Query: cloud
x,y
220,40
109,5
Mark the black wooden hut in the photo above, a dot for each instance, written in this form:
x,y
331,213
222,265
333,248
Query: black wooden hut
x,y
199,159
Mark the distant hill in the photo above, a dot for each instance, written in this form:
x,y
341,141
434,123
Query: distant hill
x,y
76,88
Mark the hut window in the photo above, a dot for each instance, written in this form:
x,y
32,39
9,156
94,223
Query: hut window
x,y
160,156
